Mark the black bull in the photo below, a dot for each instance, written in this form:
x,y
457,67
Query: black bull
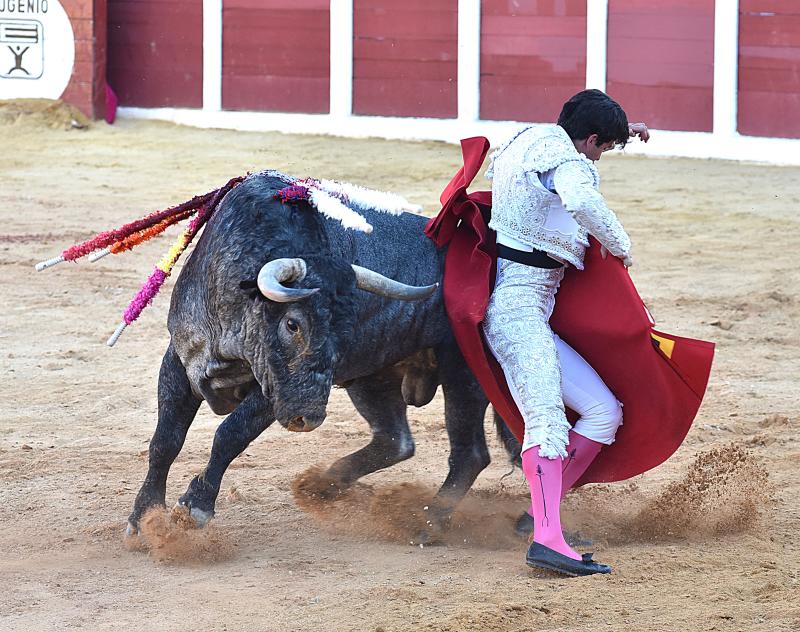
x,y
262,360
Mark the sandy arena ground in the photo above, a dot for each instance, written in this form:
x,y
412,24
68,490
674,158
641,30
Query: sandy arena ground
x,y
708,541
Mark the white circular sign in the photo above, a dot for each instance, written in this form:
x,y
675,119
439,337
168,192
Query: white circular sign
x,y
37,49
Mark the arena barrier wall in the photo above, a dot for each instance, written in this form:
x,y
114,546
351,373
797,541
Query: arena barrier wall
x,y
532,58
405,58
713,78
155,52
661,62
769,68
276,55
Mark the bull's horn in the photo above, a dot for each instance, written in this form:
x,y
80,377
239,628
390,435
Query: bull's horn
x,y
279,271
371,281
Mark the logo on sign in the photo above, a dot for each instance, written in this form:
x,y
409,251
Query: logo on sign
x,y
22,49
37,49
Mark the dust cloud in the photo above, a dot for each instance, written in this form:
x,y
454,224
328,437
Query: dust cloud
x,y
406,513
724,491
172,537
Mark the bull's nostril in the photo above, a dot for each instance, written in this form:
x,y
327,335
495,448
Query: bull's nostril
x,y
296,424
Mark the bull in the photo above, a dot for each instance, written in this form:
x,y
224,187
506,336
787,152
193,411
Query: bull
x,y
276,305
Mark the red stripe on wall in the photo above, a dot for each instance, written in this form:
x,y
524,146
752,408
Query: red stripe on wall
x,y
276,55
661,62
769,68
766,6
533,58
405,58
155,52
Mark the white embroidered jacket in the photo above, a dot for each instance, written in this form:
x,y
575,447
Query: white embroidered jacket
x,y
544,195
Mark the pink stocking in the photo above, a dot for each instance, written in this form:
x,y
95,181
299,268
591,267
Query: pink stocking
x,y
581,452
544,480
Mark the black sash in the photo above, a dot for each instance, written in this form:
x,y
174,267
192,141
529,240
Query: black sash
x,y
536,259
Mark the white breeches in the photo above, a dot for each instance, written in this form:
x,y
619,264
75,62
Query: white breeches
x,y
585,392
543,372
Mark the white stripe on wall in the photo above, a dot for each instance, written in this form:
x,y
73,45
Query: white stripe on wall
x,y
596,43
662,143
212,55
341,52
469,60
726,67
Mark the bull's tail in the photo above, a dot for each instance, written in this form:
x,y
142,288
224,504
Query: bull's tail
x,y
509,441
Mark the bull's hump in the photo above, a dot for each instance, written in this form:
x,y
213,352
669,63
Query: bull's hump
x,y
250,228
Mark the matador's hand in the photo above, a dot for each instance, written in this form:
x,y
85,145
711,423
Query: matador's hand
x,y
626,261
640,130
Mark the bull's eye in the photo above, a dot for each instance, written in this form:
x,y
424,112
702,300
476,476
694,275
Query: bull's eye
x,y
292,326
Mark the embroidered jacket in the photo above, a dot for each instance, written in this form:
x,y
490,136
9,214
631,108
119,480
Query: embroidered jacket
x,y
544,195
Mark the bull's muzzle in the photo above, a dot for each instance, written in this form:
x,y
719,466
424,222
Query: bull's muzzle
x,y
304,424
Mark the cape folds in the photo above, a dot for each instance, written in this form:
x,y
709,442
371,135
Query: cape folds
x,y
660,378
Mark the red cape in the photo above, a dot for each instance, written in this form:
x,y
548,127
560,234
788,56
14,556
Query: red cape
x,y
659,378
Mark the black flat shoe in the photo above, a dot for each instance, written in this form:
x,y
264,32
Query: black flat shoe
x,y
540,556
524,528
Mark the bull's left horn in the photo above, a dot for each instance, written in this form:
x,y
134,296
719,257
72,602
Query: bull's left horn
x,y
279,271
371,281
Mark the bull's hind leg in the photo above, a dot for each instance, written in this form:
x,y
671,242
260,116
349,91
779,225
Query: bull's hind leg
x,y
240,428
464,408
177,407
378,398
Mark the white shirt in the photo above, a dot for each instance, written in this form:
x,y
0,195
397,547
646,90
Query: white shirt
x,y
545,197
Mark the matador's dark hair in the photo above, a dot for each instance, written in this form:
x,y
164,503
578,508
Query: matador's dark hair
x,y
594,112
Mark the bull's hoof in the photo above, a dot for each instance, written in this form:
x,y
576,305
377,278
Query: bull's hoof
x,y
575,539
438,522
524,525
428,537
524,528
133,527
332,490
184,514
318,484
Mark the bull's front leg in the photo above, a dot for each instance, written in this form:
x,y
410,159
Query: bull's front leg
x,y
253,416
177,407
379,399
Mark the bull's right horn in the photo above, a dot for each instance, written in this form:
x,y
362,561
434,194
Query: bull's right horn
x,y
376,283
279,271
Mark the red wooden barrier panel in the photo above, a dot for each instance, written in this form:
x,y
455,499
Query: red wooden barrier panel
x,y
533,58
769,68
276,55
155,52
405,58
661,61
